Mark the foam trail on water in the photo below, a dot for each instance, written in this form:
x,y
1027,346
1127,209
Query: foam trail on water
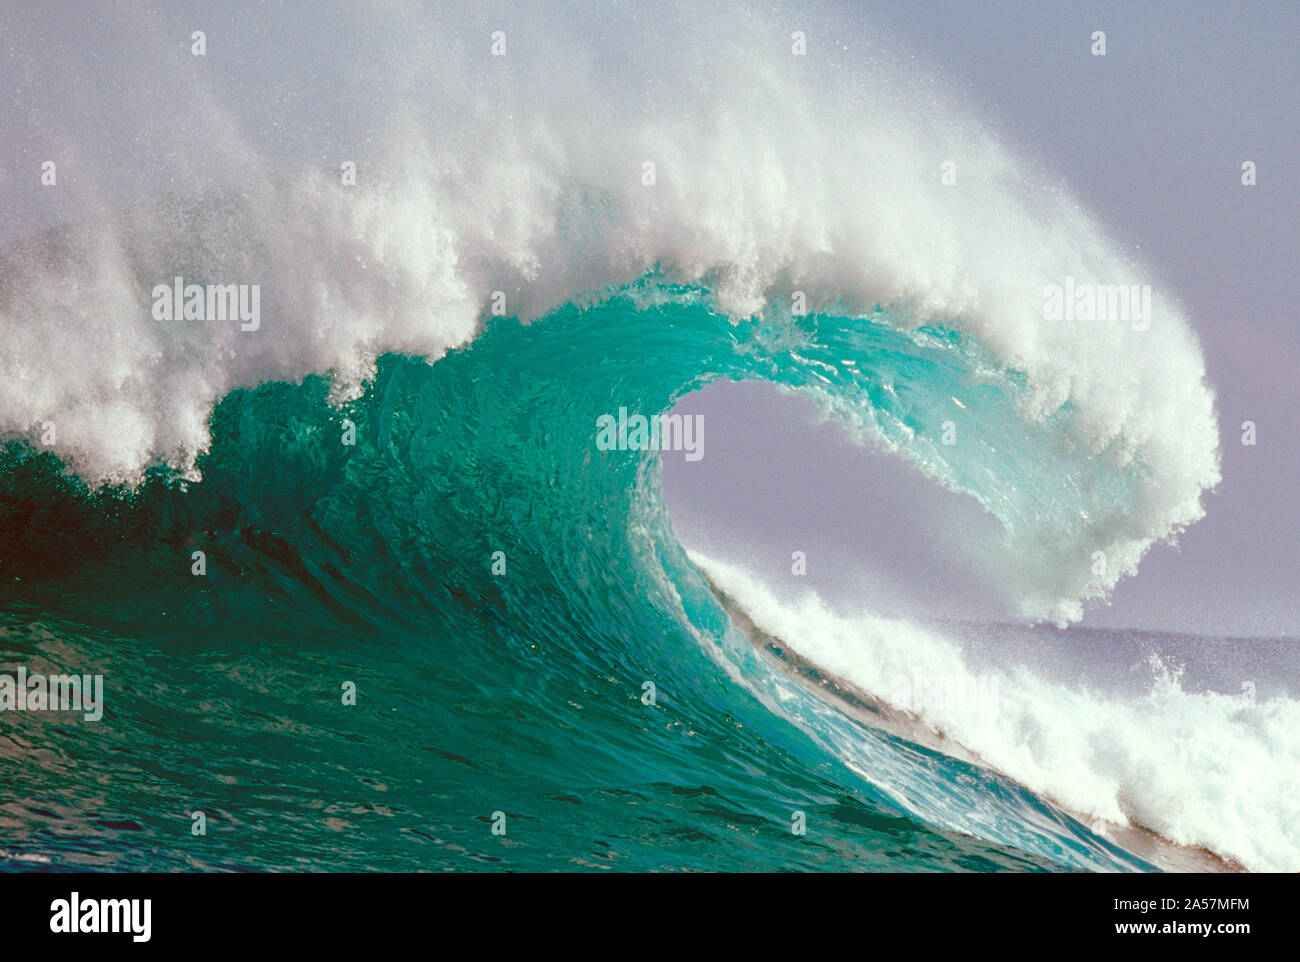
x,y
1200,769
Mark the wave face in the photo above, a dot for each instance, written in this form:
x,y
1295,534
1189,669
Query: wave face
x,y
373,562
478,692
521,691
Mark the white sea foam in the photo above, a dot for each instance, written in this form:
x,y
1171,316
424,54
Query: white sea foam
x,y
1200,769
525,174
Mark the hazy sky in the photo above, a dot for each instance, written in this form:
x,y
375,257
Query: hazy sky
x,y
1151,137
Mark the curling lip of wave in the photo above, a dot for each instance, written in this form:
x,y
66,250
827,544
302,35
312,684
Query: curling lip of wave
x,y
760,189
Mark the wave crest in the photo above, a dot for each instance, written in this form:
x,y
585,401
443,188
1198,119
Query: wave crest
x,y
771,174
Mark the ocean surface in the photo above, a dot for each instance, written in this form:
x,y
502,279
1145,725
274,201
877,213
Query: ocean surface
x,y
366,593
522,691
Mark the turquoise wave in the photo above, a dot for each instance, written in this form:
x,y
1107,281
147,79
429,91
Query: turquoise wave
x,y
481,691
